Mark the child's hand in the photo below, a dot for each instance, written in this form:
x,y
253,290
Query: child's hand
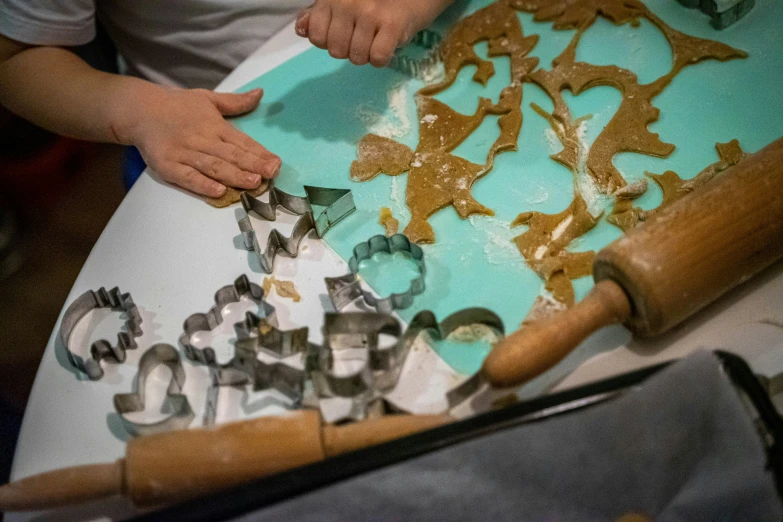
x,y
183,136
366,30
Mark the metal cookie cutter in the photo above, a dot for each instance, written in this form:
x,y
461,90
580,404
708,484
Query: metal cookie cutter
x,y
338,204
469,316
209,321
365,386
345,289
101,349
723,13
257,334
418,64
181,412
355,330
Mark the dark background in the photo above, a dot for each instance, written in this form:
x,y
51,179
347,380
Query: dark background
x,y
56,196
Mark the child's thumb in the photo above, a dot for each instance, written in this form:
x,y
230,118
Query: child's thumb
x,y
231,104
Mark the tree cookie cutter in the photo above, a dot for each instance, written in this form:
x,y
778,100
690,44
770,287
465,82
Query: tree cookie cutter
x,y
101,349
181,414
338,204
345,289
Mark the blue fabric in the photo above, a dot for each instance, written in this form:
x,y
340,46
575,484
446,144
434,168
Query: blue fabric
x,y
678,448
132,166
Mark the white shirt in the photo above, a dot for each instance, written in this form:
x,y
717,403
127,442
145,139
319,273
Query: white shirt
x,y
188,43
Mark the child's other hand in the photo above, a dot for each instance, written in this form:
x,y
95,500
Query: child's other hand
x,y
183,136
366,30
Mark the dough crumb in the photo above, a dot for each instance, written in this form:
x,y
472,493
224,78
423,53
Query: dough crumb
x,y
284,289
472,333
632,191
388,221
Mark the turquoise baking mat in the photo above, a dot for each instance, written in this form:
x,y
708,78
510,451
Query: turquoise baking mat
x,y
317,108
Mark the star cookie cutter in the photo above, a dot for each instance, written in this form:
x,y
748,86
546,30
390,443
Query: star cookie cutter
x,y
338,204
256,334
181,413
101,349
345,289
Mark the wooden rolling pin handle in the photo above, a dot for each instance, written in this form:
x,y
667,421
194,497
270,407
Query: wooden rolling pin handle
x,y
536,347
62,487
178,465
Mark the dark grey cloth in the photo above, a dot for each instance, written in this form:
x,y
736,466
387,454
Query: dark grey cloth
x,y
680,447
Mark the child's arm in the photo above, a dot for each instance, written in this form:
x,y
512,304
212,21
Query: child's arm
x,y
366,30
181,133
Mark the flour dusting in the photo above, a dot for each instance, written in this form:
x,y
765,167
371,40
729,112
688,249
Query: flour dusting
x,y
394,123
595,200
498,235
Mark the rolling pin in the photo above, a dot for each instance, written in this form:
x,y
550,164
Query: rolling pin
x,y
178,465
666,269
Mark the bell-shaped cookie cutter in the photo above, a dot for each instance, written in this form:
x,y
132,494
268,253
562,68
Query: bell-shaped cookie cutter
x,y
338,204
181,413
345,289
101,349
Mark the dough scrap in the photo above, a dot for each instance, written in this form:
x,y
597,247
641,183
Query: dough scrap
x,y
626,216
377,154
285,289
544,244
627,130
231,195
388,221
437,178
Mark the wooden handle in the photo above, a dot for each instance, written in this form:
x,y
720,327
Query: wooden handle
x,y
183,464
179,465
62,487
538,346
701,246
665,270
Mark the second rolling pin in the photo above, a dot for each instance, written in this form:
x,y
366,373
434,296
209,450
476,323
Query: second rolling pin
x,y
666,269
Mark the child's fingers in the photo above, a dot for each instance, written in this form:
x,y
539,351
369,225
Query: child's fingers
x,y
302,22
318,25
220,170
249,145
236,156
383,46
189,178
361,42
340,32
233,104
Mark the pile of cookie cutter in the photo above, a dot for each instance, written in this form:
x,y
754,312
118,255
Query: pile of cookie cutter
x,y
338,204
101,349
345,289
244,367
181,413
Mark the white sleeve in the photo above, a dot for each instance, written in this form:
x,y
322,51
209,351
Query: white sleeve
x,y
48,22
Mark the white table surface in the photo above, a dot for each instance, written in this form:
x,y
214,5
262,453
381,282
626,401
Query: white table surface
x,y
172,252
